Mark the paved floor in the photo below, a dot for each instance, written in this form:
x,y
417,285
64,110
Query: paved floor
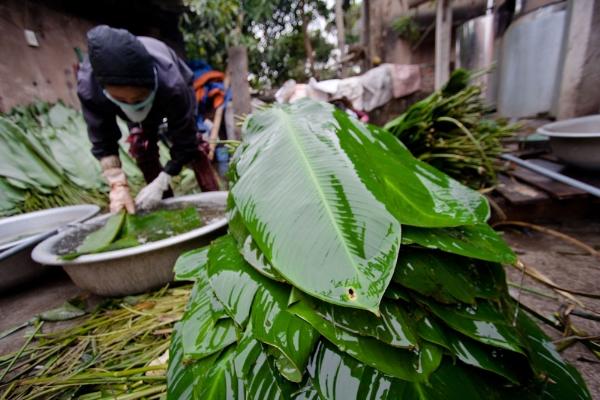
x,y
21,305
569,267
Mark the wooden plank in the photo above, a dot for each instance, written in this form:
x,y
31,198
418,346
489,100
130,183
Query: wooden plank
x,y
518,193
553,188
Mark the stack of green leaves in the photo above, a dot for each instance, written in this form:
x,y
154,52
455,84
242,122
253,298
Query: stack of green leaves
x,y
450,130
123,230
352,270
46,160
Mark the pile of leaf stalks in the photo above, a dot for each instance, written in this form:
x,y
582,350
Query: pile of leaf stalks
x,y
452,130
113,353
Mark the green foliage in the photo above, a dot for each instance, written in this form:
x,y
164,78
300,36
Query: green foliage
x,y
124,230
450,130
46,161
315,212
407,28
270,29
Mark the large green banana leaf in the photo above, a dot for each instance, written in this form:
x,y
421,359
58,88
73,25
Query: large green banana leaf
x,y
203,331
234,284
476,241
445,327
20,159
10,197
399,363
189,264
449,278
342,244
414,192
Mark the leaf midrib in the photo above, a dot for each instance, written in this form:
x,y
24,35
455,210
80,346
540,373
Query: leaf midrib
x,y
316,184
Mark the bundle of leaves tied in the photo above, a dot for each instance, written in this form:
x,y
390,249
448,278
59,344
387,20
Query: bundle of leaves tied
x,y
352,270
451,130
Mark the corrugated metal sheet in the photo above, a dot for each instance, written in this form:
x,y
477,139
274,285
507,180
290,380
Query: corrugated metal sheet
x,y
530,62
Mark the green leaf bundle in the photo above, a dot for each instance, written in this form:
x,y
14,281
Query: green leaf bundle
x,y
451,130
353,270
124,230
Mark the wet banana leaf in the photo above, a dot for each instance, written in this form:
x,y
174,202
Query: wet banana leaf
x,y
233,281
189,264
342,244
273,325
221,380
249,249
184,377
244,372
480,322
265,381
335,375
63,313
475,241
203,332
448,278
396,292
307,392
160,224
22,159
393,327
103,237
504,363
561,380
414,192
284,366
399,363
257,259
124,230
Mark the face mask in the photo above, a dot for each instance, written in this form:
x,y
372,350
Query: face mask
x,y
139,111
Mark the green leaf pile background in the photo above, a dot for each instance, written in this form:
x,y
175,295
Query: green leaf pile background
x,y
353,271
45,161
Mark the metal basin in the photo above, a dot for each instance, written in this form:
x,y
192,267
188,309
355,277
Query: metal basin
x,y
136,269
19,235
576,141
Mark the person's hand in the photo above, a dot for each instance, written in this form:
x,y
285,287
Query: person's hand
x,y
152,194
119,196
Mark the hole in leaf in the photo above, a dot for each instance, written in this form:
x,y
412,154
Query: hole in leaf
x,y
351,294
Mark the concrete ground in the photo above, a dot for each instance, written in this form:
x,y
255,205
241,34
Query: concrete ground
x,y
568,266
19,306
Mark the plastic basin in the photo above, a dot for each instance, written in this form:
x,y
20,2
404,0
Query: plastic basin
x,y
29,229
576,141
136,269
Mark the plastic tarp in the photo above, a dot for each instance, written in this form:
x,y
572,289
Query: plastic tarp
x,y
366,92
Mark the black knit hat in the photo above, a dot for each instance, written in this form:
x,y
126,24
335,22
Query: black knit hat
x,y
119,58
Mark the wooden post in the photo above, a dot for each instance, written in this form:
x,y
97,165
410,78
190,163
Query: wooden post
x,y
366,28
237,60
341,33
443,40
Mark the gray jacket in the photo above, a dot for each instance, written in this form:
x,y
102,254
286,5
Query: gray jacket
x,y
174,100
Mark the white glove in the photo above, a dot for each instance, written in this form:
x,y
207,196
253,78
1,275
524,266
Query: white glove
x,y
152,194
119,189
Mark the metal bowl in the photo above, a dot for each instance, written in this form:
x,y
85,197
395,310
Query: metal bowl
x,y
20,233
576,141
136,269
